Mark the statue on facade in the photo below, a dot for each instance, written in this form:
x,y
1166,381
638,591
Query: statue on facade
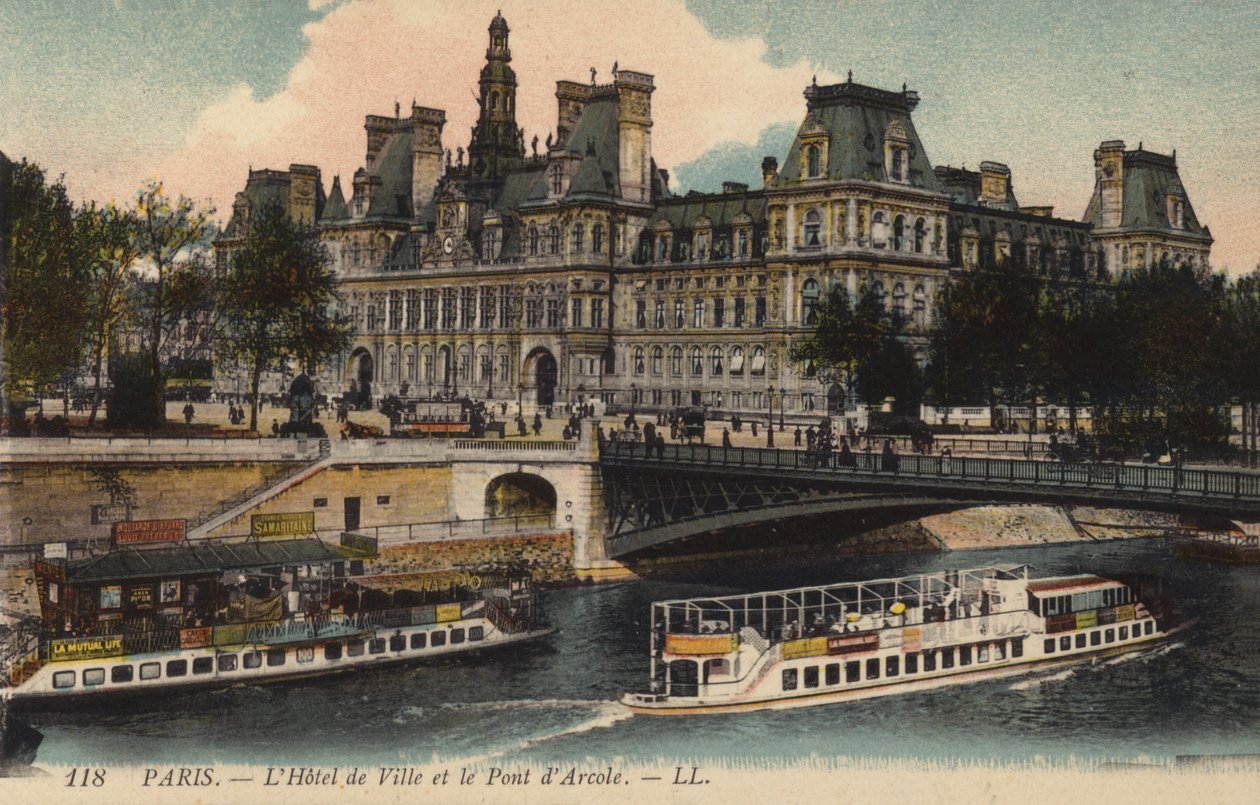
x,y
302,410
459,156
534,144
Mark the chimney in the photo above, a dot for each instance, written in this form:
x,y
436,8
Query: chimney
x,y
995,184
734,187
769,170
1109,172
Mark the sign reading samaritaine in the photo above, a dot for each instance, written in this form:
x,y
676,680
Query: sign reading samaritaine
x,y
282,524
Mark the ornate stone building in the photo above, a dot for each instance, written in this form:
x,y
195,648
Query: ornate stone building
x,y
567,271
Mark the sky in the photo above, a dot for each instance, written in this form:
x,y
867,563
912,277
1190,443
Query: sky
x,y
111,93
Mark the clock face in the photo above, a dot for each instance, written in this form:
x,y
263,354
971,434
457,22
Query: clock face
x,y
448,245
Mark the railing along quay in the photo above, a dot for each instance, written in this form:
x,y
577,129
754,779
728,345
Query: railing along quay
x,y
1142,479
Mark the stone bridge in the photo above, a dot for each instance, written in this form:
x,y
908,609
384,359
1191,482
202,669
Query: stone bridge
x,y
687,490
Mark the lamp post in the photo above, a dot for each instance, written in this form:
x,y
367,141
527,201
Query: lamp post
x,y
520,395
634,399
770,418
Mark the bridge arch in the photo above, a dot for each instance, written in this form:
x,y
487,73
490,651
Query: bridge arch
x,y
517,494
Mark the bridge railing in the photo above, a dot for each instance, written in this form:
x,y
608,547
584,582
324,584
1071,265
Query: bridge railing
x,y
1141,478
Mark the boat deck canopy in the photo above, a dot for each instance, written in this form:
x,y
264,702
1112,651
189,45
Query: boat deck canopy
x,y
199,559
1070,584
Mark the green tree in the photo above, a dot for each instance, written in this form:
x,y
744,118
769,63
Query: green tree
x,y
171,237
1244,341
845,339
110,235
44,301
277,303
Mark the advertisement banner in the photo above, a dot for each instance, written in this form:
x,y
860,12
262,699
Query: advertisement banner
x,y
195,638
145,532
282,524
84,648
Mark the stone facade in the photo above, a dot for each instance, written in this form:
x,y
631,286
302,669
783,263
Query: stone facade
x,y
569,272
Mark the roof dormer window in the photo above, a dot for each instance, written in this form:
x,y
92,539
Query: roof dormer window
x,y
557,180
814,161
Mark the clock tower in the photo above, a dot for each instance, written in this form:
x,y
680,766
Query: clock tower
x,y
496,141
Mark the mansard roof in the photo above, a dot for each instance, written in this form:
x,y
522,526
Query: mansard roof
x,y
262,188
1149,178
392,197
335,207
855,119
595,137
964,186
719,209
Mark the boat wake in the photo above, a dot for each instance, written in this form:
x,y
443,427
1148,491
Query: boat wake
x,y
600,714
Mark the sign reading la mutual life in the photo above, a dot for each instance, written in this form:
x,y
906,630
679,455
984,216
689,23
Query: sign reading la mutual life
x,y
282,524
145,532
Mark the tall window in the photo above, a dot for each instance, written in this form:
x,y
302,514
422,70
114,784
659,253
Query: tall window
x,y
920,235
697,362
899,233
920,305
533,313
487,308
899,300
715,361
742,240
657,355
413,310
697,313
879,234
809,301
737,361
740,304
491,246
395,310
675,361
898,164
702,245
759,311
430,308
757,367
597,238
468,308
640,314
533,241
660,314
579,233
638,360
577,313
719,312
557,180
815,154
662,249
880,294
553,239
554,311
678,313
597,313
813,224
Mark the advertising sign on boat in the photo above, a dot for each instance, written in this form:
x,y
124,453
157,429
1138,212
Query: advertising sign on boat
x,y
84,648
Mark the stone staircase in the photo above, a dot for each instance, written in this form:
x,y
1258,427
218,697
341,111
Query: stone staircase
x,y
256,495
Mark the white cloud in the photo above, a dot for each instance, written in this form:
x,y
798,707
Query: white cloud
x,y
365,56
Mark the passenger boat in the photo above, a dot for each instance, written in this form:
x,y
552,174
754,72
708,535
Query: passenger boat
x,y
203,613
815,645
1230,547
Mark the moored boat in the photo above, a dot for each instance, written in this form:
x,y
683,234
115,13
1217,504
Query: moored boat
x,y
204,614
815,645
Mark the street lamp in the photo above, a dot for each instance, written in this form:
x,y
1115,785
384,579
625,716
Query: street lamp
x,y
634,399
770,419
520,394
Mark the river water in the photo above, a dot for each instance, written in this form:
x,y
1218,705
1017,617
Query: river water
x,y
556,700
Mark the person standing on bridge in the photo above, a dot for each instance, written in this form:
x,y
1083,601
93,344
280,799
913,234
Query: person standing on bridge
x,y
796,436
726,438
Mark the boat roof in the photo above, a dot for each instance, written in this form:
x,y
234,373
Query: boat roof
x,y
199,558
1069,584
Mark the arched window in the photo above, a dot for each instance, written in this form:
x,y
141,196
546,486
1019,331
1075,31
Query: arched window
x,y
920,305
658,355
899,299
638,360
597,238
757,366
880,294
814,158
879,230
494,101
662,248
553,239
899,233
737,360
920,235
715,361
742,239
813,223
579,233
898,164
697,362
809,300
675,361
702,244
533,241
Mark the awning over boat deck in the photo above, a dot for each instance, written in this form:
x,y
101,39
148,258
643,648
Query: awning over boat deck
x,y
1070,584
199,558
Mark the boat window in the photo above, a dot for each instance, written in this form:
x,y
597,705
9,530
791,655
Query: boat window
x,y
438,639
1124,633
964,655
929,661
354,648
982,652
252,659
947,658
457,636
63,679
833,674
999,650
1080,641
1111,635
1017,647
1065,643
275,656
332,651
1150,627
227,662
1049,647
811,677
419,640
789,678
177,668
872,668
852,671
892,666
94,676
376,645
1095,638
397,642
203,665
150,670
121,673
476,632
912,663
